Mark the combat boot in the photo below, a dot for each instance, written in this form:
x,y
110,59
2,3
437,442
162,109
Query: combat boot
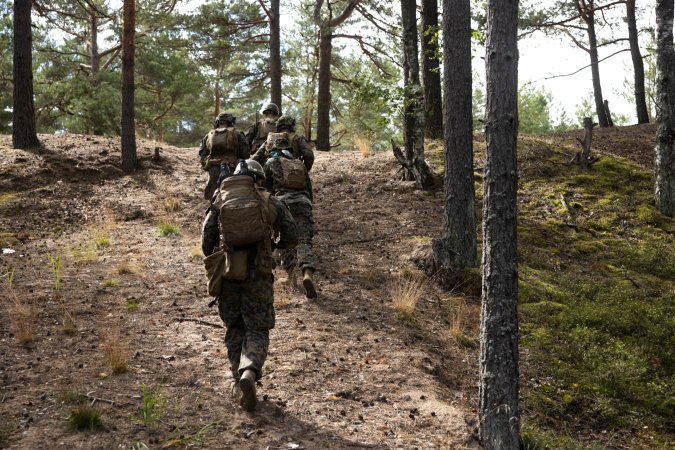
x,y
308,283
248,399
290,279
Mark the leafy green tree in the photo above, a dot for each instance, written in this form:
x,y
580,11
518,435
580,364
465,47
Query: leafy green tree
x,y
534,110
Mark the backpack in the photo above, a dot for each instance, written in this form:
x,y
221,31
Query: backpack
x,y
223,144
272,138
292,173
242,212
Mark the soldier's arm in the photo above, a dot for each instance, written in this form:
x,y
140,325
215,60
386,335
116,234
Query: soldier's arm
x,y
203,151
284,226
269,177
306,153
210,232
259,155
251,133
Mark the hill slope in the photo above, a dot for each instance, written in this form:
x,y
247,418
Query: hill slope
x,y
343,371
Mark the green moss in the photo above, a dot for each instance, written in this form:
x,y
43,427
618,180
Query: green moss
x,y
8,239
586,248
471,282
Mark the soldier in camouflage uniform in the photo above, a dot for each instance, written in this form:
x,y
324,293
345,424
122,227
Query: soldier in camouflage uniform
x,y
300,149
211,163
247,307
257,133
298,197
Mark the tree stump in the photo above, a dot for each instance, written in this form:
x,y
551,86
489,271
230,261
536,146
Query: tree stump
x,y
584,156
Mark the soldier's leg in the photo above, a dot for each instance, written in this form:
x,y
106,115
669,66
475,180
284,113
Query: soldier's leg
x,y
257,308
211,186
229,309
304,219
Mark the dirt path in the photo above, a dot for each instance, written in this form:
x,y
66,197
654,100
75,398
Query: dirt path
x,y
343,372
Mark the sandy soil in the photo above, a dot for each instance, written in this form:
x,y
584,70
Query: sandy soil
x,y
344,371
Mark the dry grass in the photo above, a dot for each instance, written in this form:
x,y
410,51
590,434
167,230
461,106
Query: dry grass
x,y
344,270
126,267
196,252
371,275
22,317
115,350
282,296
405,291
363,144
173,204
84,254
68,324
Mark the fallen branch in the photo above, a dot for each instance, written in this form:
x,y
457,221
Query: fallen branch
x,y
95,399
199,321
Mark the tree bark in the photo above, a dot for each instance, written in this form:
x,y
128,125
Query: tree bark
x,y
456,248
275,54
664,163
23,115
587,13
416,167
498,410
638,66
323,97
326,27
431,76
128,50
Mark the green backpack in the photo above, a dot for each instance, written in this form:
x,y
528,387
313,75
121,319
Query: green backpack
x,y
222,144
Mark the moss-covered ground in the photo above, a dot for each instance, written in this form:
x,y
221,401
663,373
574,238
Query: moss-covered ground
x,y
596,302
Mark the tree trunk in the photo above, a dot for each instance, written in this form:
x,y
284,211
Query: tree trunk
x,y
323,100
275,54
23,116
587,12
498,411
664,163
128,49
415,166
431,76
456,248
638,66
94,56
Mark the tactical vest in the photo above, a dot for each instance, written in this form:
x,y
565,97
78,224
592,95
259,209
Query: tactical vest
x,y
264,128
223,146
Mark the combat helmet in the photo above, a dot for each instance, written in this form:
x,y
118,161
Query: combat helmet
x,y
270,107
250,167
224,117
287,122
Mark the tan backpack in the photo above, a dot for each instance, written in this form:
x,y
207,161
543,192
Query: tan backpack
x,y
292,173
243,213
223,144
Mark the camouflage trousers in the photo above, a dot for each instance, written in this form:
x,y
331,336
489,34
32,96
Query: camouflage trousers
x,y
300,256
247,309
211,184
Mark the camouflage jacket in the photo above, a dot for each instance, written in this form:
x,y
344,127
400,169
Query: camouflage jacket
x,y
244,151
273,182
301,150
285,234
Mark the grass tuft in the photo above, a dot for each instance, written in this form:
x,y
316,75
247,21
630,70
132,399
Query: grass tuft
x,y
173,204
85,419
110,282
405,291
363,144
114,350
168,229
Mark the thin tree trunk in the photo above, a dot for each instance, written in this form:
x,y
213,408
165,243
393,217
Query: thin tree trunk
x,y
275,54
415,166
638,66
128,50
95,58
587,12
323,97
23,115
456,248
431,76
664,163
499,417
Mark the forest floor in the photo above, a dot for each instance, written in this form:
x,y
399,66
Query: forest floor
x,y
344,371
103,272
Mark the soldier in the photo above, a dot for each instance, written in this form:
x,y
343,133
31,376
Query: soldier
x,y
245,294
286,129
257,133
289,181
222,144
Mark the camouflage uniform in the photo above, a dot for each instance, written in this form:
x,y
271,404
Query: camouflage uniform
x,y
213,166
301,150
257,133
247,307
299,203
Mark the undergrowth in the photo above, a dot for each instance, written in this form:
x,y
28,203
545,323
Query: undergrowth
x,y
597,304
